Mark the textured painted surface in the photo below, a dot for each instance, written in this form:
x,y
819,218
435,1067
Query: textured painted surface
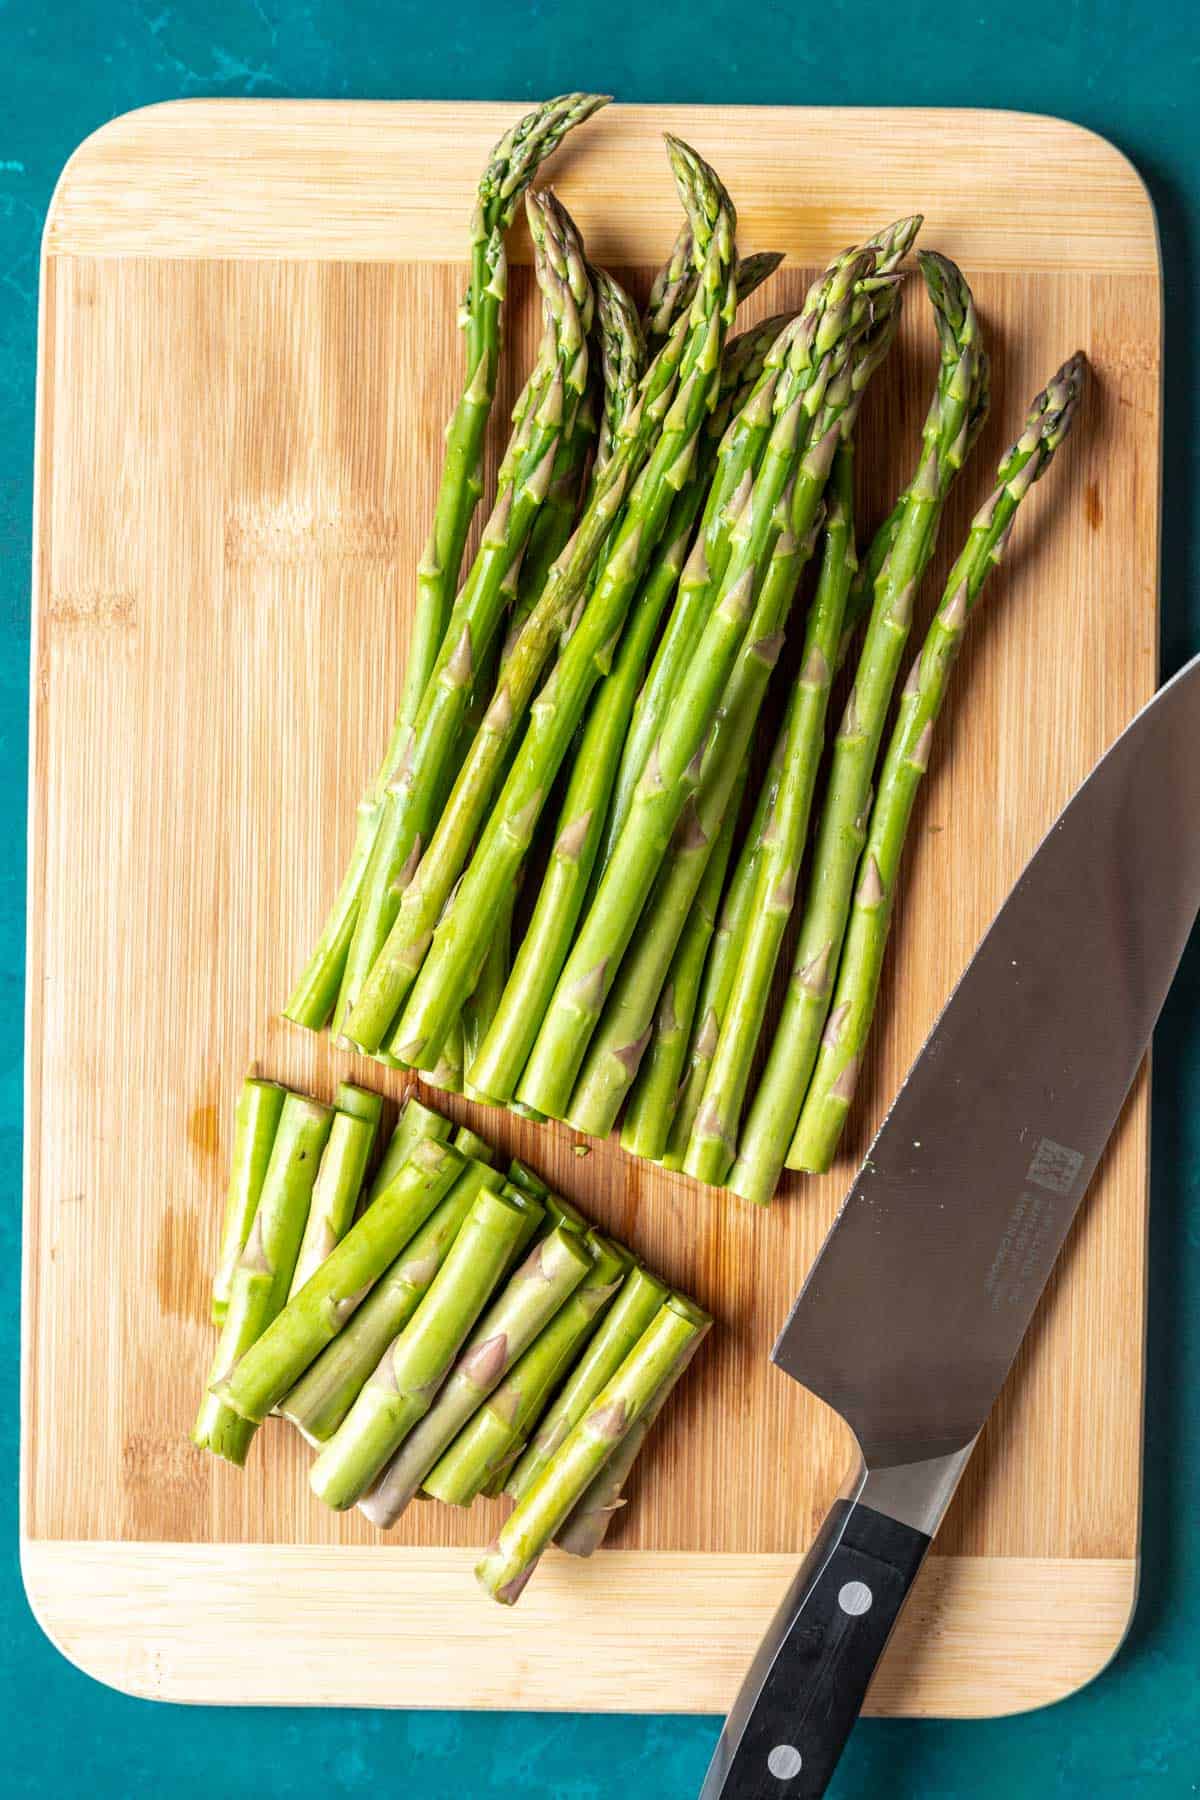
x,y
69,66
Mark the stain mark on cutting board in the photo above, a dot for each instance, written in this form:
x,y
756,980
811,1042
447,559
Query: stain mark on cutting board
x,y
178,1266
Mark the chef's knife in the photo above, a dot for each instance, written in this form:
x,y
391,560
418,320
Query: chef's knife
x,y
913,1312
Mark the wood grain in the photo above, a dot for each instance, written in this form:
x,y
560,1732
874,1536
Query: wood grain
x,y
247,353
192,1621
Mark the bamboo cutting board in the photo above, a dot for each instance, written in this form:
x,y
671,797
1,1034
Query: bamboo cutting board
x,y
247,352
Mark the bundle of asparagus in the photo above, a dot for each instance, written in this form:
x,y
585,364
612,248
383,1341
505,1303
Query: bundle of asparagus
x,y
627,625
467,1330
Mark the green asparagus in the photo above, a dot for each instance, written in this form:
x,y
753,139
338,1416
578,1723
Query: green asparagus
x,y
953,421
410,1372
832,1087
512,165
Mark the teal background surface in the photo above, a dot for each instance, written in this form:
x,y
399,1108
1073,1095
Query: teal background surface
x,y
64,69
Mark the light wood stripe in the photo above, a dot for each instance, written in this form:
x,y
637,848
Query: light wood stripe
x,y
272,1625
393,181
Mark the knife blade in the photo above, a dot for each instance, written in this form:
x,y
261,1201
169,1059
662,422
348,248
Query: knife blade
x,y
911,1316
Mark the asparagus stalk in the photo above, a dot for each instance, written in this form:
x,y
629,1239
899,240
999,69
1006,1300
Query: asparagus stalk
x,y
447,1071
453,961
480,1010
832,1087
420,782
671,291
416,1121
550,535
862,588
738,458
719,968
489,1443
562,597
622,362
498,1066
647,1122
674,287
326,1392
263,1273
469,1143
412,1369
633,1310
951,425
812,394
255,1121
588,1522
502,1058
711,1151
274,1363
533,1210
512,165
553,1269
522,1176
561,1212
701,584
357,1112
548,1502
615,1052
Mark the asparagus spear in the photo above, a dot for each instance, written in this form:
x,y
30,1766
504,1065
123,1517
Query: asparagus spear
x,y
671,291
562,597
561,1212
533,1210
622,362
553,1269
357,1112
469,1143
647,1121
499,1065
719,970
522,1176
421,780
512,165
453,961
514,1025
588,1522
263,1273
950,428
674,287
711,1151
255,1121
325,1393
447,1071
490,1441
615,1051
701,584
274,1363
832,1087
412,1369
416,1121
633,1310
480,1010
548,1502
619,352
813,391
738,458
550,535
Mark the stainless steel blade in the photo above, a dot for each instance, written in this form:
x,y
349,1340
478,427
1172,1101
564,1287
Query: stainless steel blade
x,y
915,1308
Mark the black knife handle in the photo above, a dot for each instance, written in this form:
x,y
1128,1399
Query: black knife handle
x,y
806,1686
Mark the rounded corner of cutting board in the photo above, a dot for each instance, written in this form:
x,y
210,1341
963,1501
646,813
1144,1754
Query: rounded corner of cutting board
x,y
278,1625
109,145
47,1576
